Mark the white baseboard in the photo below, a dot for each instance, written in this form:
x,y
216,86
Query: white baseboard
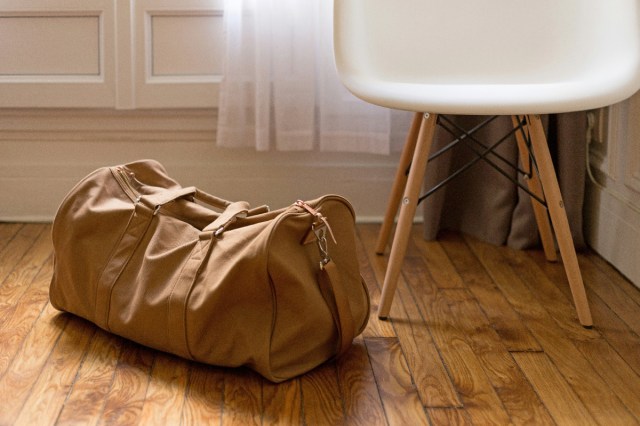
x,y
613,231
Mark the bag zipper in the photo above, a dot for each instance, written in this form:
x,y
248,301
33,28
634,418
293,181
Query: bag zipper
x,y
123,179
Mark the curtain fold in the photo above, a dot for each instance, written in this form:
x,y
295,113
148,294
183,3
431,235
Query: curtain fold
x,y
484,204
280,88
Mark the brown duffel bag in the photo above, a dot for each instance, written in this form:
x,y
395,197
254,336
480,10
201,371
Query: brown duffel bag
x,y
142,257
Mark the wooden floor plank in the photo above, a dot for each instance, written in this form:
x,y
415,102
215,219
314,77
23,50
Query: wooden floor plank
x,y
375,274
165,394
17,382
17,282
480,400
7,232
204,400
429,373
612,294
617,334
515,392
399,395
448,416
428,370
375,328
478,334
16,248
559,398
548,294
85,402
620,378
321,396
123,404
614,275
19,321
242,398
504,319
361,398
438,261
607,323
519,296
570,362
50,390
282,403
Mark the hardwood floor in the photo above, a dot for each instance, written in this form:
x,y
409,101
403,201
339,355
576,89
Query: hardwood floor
x,y
479,335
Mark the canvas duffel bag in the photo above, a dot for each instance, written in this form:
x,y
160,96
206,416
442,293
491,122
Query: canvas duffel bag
x,y
147,259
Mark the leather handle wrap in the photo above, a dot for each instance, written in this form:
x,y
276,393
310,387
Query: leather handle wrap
x,y
228,216
164,197
211,200
169,195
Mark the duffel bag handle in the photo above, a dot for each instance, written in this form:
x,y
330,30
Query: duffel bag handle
x,y
164,197
159,199
334,294
231,210
223,204
228,216
211,200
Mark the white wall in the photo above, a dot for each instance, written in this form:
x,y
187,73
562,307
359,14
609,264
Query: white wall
x,y
613,195
90,83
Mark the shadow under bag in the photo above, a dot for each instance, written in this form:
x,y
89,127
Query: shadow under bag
x,y
147,259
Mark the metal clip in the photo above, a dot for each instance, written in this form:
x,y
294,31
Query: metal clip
x,y
320,226
321,240
320,220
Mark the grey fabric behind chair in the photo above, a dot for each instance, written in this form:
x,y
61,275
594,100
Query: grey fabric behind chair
x,y
483,204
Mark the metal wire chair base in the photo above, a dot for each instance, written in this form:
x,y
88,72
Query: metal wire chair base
x,y
484,152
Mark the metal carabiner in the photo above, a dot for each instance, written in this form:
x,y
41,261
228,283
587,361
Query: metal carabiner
x,y
321,240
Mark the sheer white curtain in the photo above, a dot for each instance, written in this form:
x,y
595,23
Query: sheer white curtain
x,y
280,89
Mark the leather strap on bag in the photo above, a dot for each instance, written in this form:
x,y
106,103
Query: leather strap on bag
x,y
164,197
338,302
228,216
161,198
234,209
329,279
211,200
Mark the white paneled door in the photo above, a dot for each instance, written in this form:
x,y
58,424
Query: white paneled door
x,y
124,54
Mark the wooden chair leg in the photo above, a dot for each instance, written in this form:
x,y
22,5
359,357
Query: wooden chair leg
x,y
533,182
399,184
559,219
407,212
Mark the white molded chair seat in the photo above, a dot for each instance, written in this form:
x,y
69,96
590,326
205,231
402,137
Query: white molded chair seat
x,y
487,57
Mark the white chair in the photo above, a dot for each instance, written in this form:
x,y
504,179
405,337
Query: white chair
x,y
487,57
